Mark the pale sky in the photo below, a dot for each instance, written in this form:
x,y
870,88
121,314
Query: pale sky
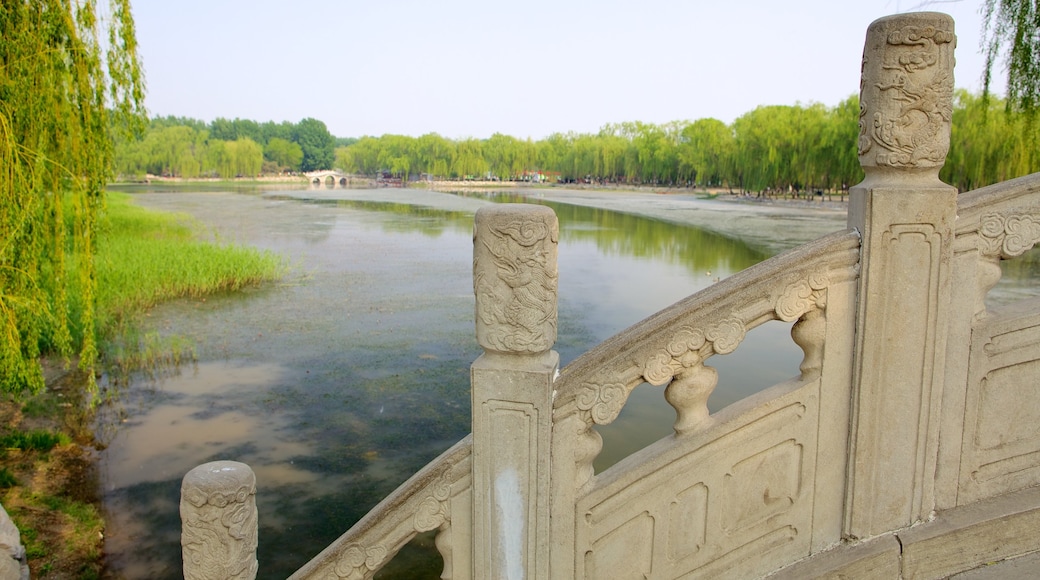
x,y
471,68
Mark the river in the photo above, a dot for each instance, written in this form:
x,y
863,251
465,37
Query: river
x,y
338,382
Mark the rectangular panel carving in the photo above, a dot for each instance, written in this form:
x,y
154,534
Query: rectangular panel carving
x,y
1005,418
742,490
895,439
687,522
1001,449
626,552
508,484
761,486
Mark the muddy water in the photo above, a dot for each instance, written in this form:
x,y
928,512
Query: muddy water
x,y
338,382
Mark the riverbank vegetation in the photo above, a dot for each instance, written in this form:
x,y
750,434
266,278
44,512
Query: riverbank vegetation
x,y
149,257
48,482
769,149
226,149
776,148
68,81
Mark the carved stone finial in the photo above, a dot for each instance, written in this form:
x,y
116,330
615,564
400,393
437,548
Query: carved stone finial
x,y
219,522
906,93
515,277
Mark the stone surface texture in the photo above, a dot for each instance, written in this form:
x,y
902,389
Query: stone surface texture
x,y
907,447
13,562
515,282
219,531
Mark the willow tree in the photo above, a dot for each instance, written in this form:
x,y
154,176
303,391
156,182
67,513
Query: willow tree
x,y
69,73
1012,30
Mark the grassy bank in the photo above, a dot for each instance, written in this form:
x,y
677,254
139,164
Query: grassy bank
x,y
48,479
148,257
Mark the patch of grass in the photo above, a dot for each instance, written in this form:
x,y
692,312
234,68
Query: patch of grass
x,y
48,482
7,479
62,536
36,440
148,257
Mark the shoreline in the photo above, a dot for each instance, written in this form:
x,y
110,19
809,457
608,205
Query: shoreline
x,y
825,201
746,218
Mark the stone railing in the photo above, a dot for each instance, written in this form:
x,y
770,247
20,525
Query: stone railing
x,y
906,447
654,511
432,499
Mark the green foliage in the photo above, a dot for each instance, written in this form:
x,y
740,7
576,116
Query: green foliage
x,y
181,147
988,146
772,148
7,479
35,440
285,154
1012,30
149,257
317,143
61,91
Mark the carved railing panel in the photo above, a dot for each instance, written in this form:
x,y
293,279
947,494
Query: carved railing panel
x,y
1001,445
995,223
692,500
731,499
432,499
671,347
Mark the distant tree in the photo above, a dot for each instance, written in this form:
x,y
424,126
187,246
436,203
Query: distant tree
x,y
1012,29
317,143
67,78
246,158
707,146
222,129
361,157
248,129
499,152
469,159
174,121
284,153
269,130
434,154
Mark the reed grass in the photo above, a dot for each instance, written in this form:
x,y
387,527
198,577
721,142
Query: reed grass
x,y
147,257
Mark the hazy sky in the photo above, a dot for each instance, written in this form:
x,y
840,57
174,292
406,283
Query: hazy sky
x,y
470,68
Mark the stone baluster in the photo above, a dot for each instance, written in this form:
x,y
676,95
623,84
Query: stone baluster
x,y
905,215
515,281
688,394
219,522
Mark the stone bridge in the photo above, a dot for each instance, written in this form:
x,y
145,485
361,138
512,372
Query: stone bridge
x,y
328,177
907,447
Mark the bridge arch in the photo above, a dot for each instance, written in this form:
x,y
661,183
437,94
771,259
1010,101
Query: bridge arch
x,y
328,178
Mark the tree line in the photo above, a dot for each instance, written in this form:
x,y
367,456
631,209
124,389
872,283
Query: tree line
x,y
190,148
772,148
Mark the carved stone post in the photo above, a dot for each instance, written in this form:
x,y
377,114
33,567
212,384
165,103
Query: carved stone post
x,y
514,278
905,215
219,522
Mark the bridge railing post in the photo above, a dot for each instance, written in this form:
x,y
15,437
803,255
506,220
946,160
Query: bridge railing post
x,y
905,216
219,522
515,282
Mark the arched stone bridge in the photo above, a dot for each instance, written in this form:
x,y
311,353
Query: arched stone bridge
x,y
328,177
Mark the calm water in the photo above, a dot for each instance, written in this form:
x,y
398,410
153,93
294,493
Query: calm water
x,y
340,381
